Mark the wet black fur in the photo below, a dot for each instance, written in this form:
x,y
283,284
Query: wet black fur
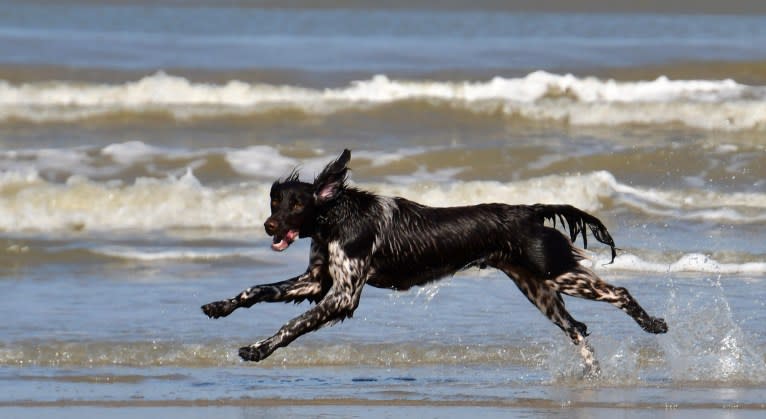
x,y
361,238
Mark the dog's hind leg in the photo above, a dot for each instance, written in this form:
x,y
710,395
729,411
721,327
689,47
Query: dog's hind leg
x,y
582,282
550,303
297,289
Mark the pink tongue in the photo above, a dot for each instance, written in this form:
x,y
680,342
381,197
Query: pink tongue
x,y
282,245
285,243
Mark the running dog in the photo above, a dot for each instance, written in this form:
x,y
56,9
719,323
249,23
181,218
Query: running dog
x,y
359,238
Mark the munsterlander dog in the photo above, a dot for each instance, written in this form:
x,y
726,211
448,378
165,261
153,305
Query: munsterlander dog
x,y
360,238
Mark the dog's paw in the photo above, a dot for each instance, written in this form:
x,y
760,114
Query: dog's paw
x,y
591,372
656,325
255,352
218,309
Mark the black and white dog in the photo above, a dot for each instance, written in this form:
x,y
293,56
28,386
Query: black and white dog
x,y
360,238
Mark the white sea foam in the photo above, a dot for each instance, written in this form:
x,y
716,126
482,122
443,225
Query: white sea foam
x,y
28,202
70,160
259,159
382,158
131,152
156,254
586,191
690,262
693,204
716,105
88,161
265,161
256,161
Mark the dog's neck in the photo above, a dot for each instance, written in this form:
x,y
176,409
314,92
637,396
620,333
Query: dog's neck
x,y
341,211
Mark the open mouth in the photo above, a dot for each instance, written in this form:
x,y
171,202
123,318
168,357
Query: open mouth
x,y
280,244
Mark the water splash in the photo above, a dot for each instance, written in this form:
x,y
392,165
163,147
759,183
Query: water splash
x,y
706,346
706,343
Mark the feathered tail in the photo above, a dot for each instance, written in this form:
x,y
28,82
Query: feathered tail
x,y
576,220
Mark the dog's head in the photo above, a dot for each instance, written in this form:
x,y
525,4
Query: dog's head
x,y
294,204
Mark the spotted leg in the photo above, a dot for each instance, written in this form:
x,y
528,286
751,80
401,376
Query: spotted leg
x,y
550,303
582,282
330,309
297,289
348,278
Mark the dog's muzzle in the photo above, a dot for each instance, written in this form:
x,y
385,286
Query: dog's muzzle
x,y
280,242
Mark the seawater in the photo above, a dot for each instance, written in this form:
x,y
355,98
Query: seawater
x,y
138,144
473,337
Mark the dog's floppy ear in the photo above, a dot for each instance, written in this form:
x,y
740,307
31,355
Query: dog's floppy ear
x,y
332,180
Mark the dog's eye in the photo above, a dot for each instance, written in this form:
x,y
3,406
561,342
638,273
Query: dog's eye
x,y
297,206
274,202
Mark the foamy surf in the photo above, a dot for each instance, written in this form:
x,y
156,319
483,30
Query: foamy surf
x,y
32,203
702,104
190,254
255,161
687,263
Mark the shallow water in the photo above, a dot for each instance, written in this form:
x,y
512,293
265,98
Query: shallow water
x,y
99,336
139,143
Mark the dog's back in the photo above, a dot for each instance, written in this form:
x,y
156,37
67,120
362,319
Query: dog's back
x,y
417,244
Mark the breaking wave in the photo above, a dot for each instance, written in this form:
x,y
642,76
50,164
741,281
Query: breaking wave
x,y
702,104
28,202
690,262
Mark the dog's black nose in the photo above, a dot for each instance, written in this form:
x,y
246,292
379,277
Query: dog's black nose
x,y
271,226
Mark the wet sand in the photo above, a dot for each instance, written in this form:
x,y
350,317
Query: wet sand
x,y
246,408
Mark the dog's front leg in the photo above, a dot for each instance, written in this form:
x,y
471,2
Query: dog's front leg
x,y
331,308
349,276
311,285
306,286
